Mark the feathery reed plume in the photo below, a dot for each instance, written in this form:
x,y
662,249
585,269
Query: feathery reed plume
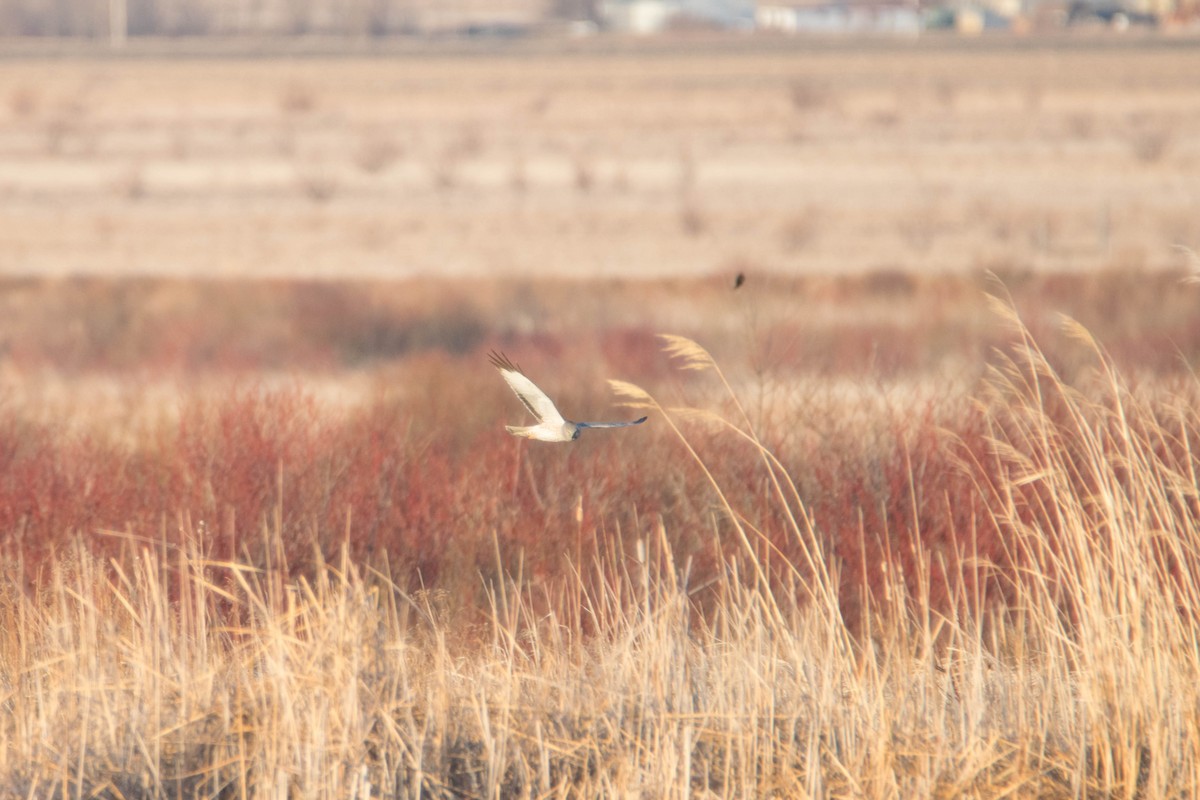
x,y
691,354
631,394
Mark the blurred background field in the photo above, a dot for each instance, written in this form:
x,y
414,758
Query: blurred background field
x,y
915,512
595,160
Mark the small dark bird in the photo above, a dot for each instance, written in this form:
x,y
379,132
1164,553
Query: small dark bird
x,y
739,280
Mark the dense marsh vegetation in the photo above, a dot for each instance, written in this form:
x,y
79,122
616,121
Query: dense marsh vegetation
x,y
271,540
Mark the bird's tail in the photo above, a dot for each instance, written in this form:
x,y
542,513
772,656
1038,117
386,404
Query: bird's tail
x,y
518,431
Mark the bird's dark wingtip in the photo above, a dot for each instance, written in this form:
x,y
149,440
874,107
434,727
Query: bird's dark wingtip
x,y
640,421
501,361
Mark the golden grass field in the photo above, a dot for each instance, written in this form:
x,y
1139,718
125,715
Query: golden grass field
x,y
916,512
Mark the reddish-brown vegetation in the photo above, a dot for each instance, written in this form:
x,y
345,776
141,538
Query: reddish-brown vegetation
x,y
413,472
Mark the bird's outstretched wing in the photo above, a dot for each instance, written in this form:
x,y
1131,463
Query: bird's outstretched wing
x,y
610,424
541,406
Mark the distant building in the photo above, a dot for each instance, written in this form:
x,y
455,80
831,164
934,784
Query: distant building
x,y
637,16
839,16
651,16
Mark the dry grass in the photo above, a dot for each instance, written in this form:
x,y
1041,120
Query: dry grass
x,y
999,603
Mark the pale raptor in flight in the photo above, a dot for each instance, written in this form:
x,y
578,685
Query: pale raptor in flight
x,y
551,426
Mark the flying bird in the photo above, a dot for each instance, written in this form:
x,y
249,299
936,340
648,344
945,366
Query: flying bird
x,y
551,426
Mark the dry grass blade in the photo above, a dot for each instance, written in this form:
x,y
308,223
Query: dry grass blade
x,y
1004,310
1072,328
631,394
691,354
